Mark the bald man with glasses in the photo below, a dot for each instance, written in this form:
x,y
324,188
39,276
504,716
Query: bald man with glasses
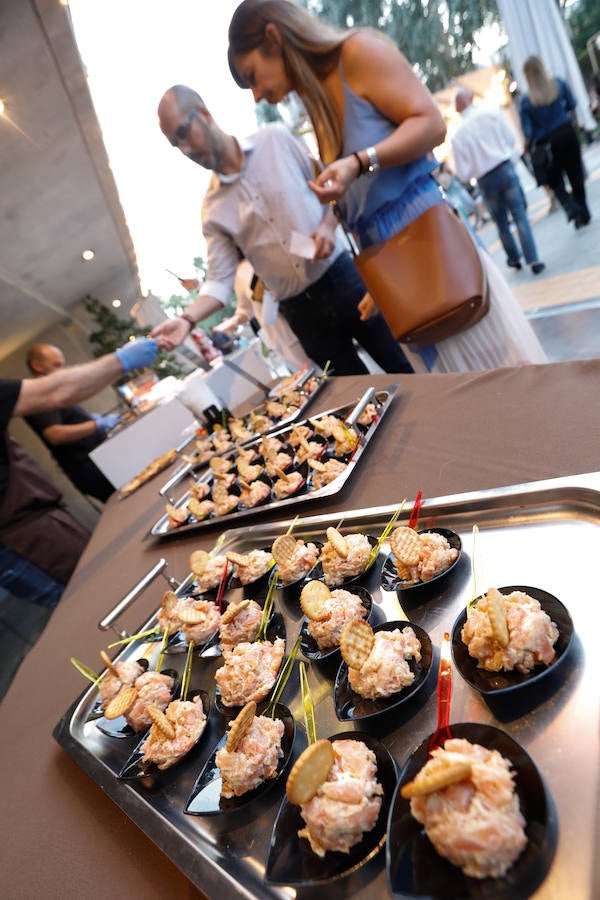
x,y
259,204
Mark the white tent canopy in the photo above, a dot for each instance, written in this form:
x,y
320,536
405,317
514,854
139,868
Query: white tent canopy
x,y
536,27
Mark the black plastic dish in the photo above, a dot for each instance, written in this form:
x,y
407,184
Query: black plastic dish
x,y
308,644
498,683
205,798
414,868
257,584
119,728
135,768
373,542
391,581
275,629
290,860
351,706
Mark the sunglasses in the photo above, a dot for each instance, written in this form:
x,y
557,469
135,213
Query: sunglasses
x,y
182,131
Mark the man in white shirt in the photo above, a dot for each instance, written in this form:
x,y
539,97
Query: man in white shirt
x,y
482,147
259,204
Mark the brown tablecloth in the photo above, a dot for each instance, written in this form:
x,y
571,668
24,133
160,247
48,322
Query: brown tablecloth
x,y
444,434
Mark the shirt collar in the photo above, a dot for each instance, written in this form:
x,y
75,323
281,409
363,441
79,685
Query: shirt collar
x,y
247,145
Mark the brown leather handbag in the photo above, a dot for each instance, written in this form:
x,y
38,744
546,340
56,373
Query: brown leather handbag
x,y
428,279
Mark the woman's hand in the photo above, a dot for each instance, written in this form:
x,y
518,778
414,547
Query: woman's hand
x,y
367,308
335,179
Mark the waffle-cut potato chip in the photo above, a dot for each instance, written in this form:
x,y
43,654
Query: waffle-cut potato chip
x,y
200,509
281,474
313,598
109,664
160,720
170,601
177,514
309,772
199,561
233,610
283,548
338,542
317,465
121,704
496,611
356,643
438,774
240,559
240,726
191,615
405,545
403,571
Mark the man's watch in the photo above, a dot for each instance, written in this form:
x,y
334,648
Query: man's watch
x,y
373,161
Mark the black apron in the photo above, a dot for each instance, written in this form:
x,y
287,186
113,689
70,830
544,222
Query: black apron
x,y
33,522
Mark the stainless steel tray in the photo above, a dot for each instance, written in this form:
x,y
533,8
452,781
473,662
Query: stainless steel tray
x,y
161,528
543,534
195,465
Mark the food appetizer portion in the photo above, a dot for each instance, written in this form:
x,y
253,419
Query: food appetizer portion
x,y
465,798
173,732
378,662
326,472
506,632
131,697
252,752
208,570
421,556
294,558
344,556
335,784
249,567
249,671
240,622
328,612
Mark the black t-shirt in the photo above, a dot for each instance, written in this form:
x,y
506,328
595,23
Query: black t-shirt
x,y
9,394
69,456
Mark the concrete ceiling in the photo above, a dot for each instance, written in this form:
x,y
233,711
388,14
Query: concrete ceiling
x,y
57,193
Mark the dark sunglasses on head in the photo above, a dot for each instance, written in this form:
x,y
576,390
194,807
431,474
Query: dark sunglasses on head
x,y
182,131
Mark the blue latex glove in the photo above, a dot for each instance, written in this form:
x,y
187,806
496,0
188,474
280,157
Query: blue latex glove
x,y
105,423
137,354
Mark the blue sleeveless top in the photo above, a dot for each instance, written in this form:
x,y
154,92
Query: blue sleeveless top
x,y
376,207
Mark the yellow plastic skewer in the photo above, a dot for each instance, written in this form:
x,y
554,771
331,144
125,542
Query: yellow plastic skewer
x,y
307,705
266,613
135,637
385,533
187,672
475,568
86,671
283,679
163,647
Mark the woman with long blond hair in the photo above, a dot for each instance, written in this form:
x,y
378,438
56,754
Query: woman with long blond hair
x,y
376,126
547,121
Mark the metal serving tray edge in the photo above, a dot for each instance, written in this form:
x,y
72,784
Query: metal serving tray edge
x,y
161,528
559,730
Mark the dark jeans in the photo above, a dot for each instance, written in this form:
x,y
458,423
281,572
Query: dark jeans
x,y
503,194
566,158
24,580
325,319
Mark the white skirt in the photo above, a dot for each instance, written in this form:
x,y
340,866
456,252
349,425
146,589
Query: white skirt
x,y
503,337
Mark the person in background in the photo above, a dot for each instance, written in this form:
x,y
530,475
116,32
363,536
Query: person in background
x,y
482,147
255,302
376,126
40,541
546,113
70,433
259,204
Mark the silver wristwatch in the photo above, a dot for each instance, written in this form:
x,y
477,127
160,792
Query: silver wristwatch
x,y
373,164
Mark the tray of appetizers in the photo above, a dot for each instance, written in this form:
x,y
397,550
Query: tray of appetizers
x,y
523,727
295,464
286,402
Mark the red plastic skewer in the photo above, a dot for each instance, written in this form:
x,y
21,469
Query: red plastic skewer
x,y
414,516
442,732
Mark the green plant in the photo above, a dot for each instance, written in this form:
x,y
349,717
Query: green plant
x,y
112,332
